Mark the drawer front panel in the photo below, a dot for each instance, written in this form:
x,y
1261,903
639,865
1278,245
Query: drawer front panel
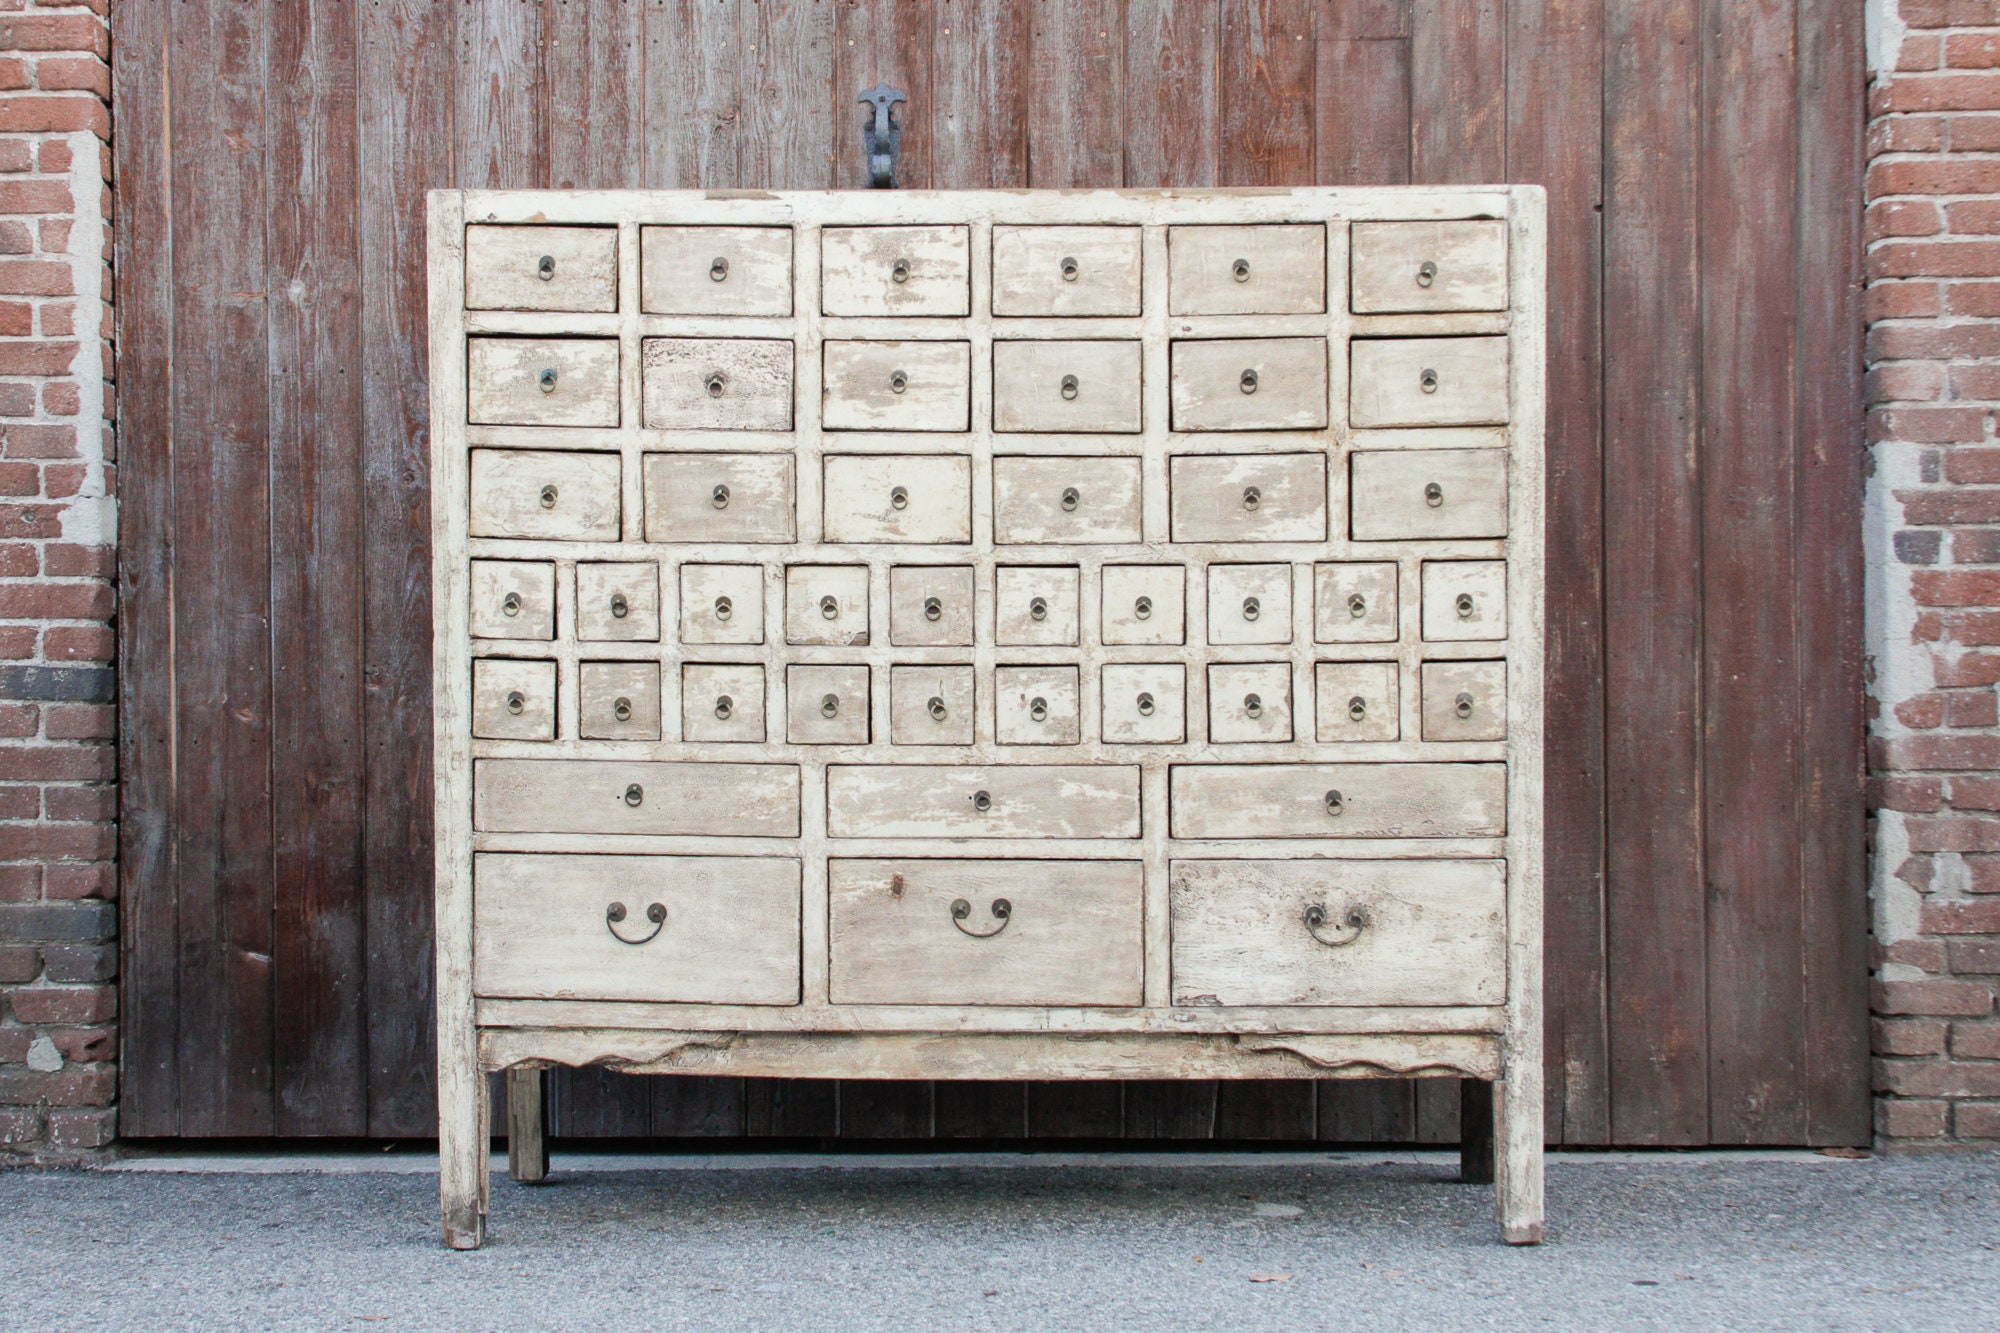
x,y
1144,703
513,599
618,601
1339,932
1339,800
1084,501
1427,266
718,383
1250,384
1257,270
715,270
1465,701
826,705
942,801
513,701
619,701
931,705
1250,702
985,932
1465,600
615,796
1249,498
921,499
722,701
896,270
897,386
1066,386
541,268
542,381
1355,603
826,604
722,604
1144,604
1249,604
1428,381
1036,705
1429,494
1066,270
553,495
1035,605
1357,701
930,606
720,498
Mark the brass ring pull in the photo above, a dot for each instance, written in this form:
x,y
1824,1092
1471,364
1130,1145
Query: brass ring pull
x,y
1252,497
1240,270
1462,705
1071,497
1003,912
510,605
1316,920
547,379
936,708
1251,610
620,608
1069,387
716,382
1253,705
1038,709
548,497
719,497
1248,381
899,498
1427,273
545,269
1428,380
516,702
1357,605
635,795
718,269
898,381
1433,494
1464,605
830,706
656,913
1357,708
1336,804
933,609
982,801
1069,269
829,608
724,608
1038,609
621,708
724,706
1145,705
1143,608
899,272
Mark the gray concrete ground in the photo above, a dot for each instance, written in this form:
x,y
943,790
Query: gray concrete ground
x,y
1375,1241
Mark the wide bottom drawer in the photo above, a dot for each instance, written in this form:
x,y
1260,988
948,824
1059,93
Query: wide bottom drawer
x,y
699,929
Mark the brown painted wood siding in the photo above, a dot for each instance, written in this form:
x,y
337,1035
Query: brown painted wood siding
x,y
1706,919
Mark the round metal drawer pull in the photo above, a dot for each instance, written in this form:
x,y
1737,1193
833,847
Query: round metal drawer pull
x,y
1462,705
1251,610
620,608
716,382
935,708
1335,803
899,498
900,271
1143,608
635,795
1465,606
656,913
1253,705
1003,912
719,497
510,605
548,497
1248,383
1145,705
1433,494
516,702
1240,270
547,379
1428,380
545,268
1427,273
830,706
724,706
1038,609
1252,497
1317,919
1071,497
724,608
1069,387
1038,709
621,708
1069,269
982,801
1357,708
1357,605
829,608
718,269
898,381
933,609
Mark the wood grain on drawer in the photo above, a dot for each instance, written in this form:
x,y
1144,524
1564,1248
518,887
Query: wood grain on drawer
x,y
720,498
1248,497
982,801
541,268
1428,494
715,270
930,606
1065,271
897,386
1078,386
1339,800
922,499
1465,701
1355,602
1425,266
1253,270
1428,381
727,928
896,270
610,796
1249,384
1039,501
618,601
985,932
542,381
513,599
550,494
1339,932
618,701
512,700
717,383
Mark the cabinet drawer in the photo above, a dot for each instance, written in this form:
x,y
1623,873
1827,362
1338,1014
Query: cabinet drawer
x,y
985,932
826,604
1082,501
1339,800
1339,932
1465,701
718,383
618,701
1066,270
513,599
720,498
715,929
930,606
1250,702
976,801
618,602
542,381
930,705
1080,386
551,494
1249,384
1249,497
1355,602
722,604
1035,605
513,701
1249,604
722,701
1255,270
1465,599
919,499
1417,494
1357,701
1424,266
1036,705
1144,703
826,705
1428,381
715,270
897,386
541,268
608,796
1144,604
896,270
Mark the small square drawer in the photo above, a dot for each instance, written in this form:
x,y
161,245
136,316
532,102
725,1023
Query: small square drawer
x,y
930,705
1066,271
896,270
826,705
620,701
1249,603
1249,384
1355,603
1045,501
1257,270
715,270
918,499
541,381
1425,266
1035,605
722,701
1418,494
1465,701
1144,703
722,604
513,701
930,606
717,383
618,602
720,498
1357,701
1248,497
1428,381
541,268
826,604
897,386
1465,599
513,599
1036,705
1249,701
1144,604
1082,386
549,494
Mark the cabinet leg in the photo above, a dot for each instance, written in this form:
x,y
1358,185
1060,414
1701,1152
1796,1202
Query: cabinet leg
x,y
464,1140
1475,1131
527,1126
1518,1136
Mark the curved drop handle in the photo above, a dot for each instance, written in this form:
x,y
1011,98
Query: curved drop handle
x,y
1320,924
1003,912
656,913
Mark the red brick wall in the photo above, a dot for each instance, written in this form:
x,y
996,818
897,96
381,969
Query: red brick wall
x,y
58,533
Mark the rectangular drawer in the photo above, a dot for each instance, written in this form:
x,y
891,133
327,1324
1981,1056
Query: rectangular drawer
x,y
826,604
826,705
1426,266
513,701
611,796
1249,384
1465,599
541,268
1249,604
717,383
1355,602
1066,271
985,932
1250,703
1144,604
919,499
1465,701
618,601
1357,701
930,606
722,701
1339,932
1428,494
897,386
896,270
1248,497
945,801
1035,605
618,701
1254,270
513,599
541,381
1082,501
930,705
1144,703
727,933
715,270
1339,800
550,494
1079,386
1036,705
1428,382
720,498
722,603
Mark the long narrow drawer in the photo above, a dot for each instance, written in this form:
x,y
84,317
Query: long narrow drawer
x,y
1339,932
599,796
1339,800
976,801
985,932
695,929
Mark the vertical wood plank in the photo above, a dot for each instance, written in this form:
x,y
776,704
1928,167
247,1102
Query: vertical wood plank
x,y
690,1107
791,1108
979,79
1157,1109
1274,1109
1266,64
883,42
592,64
1366,1110
1458,84
1076,1110
886,1109
693,110
499,123
786,66
1076,94
1172,134
598,1103
974,1110
1361,131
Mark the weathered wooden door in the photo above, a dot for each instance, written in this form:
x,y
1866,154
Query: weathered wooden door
x,y
1706,927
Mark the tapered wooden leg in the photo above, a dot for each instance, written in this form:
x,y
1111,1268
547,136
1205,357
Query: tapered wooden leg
x,y
527,1125
1475,1131
1517,1115
464,1142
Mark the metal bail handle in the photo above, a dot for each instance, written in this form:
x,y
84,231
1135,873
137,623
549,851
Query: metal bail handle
x,y
1003,912
620,608
1317,920
547,379
511,604
655,913
546,269
933,608
718,269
